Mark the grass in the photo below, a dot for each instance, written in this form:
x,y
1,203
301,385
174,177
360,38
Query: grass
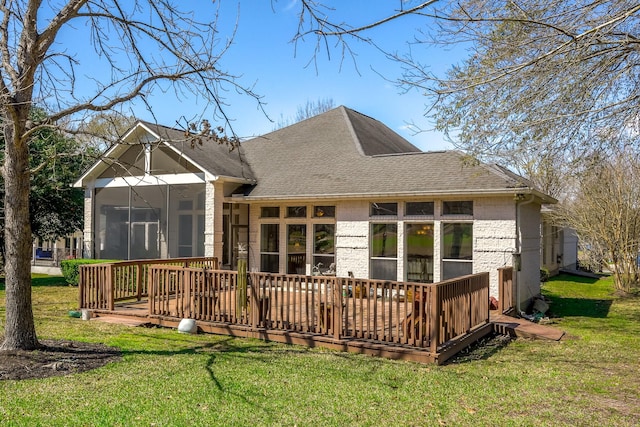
x,y
170,379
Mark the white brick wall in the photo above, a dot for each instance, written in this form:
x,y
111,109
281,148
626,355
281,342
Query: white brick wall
x,y
87,233
352,239
494,236
210,207
218,233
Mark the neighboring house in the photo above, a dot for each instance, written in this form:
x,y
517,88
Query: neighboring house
x,y
559,245
47,254
51,252
339,192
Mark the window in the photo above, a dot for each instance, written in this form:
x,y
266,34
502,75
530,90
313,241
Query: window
x,y
457,208
296,212
419,252
384,251
270,212
457,250
269,244
324,245
324,211
296,248
384,209
419,208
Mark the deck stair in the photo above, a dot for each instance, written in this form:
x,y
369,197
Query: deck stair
x,y
522,328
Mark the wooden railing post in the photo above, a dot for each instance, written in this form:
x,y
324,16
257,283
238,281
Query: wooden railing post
x,y
253,300
81,285
241,293
501,290
470,286
139,281
436,307
486,285
109,287
336,286
151,290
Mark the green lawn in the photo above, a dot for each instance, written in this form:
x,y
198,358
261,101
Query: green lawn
x,y
171,379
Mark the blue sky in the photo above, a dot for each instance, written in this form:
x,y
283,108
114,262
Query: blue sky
x,y
264,55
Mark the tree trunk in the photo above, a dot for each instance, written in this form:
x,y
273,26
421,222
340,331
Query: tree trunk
x,y
20,332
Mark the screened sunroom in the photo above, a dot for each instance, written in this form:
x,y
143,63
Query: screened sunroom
x,y
143,222
149,202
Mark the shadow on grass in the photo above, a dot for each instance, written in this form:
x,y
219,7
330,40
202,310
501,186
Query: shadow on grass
x,y
252,351
48,281
41,281
578,307
575,279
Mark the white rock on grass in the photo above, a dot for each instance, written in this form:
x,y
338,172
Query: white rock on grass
x,y
188,326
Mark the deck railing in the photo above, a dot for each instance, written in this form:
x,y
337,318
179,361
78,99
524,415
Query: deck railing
x,y
414,314
462,304
101,285
201,294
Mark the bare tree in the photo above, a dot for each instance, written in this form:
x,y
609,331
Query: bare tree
x,y
605,212
310,109
103,129
137,47
541,79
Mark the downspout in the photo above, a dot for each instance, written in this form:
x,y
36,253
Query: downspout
x,y
519,203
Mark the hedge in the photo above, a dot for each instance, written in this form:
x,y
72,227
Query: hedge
x,y
70,271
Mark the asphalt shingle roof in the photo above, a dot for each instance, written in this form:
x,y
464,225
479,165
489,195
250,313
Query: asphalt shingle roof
x,y
344,153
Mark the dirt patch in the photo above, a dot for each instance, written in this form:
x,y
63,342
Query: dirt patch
x,y
55,358
482,349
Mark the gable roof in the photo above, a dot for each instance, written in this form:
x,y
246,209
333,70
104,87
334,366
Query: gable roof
x,y
212,159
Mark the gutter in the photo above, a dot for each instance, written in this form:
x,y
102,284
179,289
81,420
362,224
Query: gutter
x,y
396,195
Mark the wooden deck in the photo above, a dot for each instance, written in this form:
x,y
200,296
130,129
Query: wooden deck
x,y
409,321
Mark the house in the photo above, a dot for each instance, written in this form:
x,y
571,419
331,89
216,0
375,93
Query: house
x,y
47,254
559,245
339,193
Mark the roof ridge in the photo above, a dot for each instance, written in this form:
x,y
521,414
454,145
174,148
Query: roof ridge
x,y
352,130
